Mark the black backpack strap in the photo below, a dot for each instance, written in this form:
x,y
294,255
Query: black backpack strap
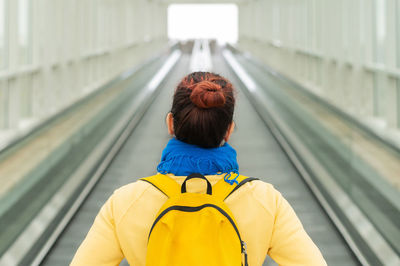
x,y
244,181
223,189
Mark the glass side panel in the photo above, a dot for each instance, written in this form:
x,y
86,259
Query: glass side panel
x,y
380,31
24,32
2,35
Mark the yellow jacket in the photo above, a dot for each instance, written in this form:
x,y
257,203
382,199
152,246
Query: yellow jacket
x,y
266,222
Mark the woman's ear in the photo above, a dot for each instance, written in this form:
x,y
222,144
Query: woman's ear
x,y
170,123
229,131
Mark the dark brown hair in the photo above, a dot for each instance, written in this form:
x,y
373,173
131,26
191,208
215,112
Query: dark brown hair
x,y
202,109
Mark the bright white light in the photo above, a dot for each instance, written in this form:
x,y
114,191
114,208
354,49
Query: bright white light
x,y
203,21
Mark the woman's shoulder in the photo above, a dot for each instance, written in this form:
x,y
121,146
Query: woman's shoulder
x,y
135,195
262,191
263,196
131,191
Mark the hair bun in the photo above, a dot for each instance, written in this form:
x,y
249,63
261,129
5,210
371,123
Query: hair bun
x,y
207,94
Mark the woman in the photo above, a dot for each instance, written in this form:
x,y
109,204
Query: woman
x,y
201,121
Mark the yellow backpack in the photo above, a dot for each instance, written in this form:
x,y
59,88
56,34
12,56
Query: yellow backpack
x,y
195,229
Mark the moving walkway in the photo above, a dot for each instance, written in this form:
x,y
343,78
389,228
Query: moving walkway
x,y
134,149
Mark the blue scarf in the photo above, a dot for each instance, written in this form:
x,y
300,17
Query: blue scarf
x,y
182,159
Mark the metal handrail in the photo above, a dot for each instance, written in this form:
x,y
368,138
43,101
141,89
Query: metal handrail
x,y
18,139
348,117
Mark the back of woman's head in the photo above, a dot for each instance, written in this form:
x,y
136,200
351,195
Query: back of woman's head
x,y
202,109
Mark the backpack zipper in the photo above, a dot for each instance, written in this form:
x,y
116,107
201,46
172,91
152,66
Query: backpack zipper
x,y
197,208
244,252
